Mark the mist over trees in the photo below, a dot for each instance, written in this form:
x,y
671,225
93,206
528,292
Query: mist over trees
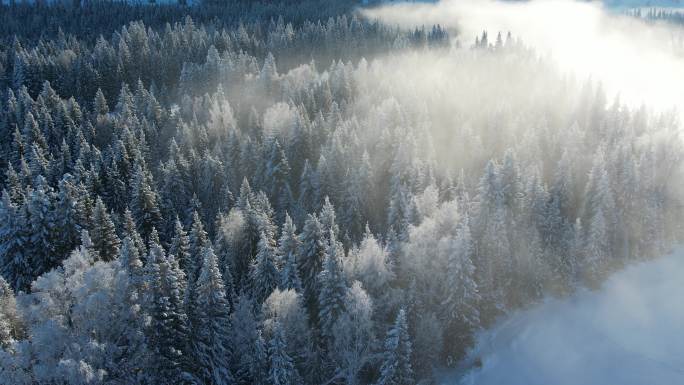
x,y
242,198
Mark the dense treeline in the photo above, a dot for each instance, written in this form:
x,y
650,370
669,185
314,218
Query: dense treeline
x,y
260,204
90,19
654,14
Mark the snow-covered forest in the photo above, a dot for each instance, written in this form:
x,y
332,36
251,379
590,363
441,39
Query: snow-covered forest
x,y
284,192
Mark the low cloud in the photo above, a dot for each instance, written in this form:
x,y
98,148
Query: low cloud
x,y
626,333
639,60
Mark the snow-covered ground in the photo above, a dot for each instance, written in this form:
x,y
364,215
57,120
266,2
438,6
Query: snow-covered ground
x,y
629,332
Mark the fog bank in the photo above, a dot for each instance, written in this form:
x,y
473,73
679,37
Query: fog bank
x,y
640,61
629,332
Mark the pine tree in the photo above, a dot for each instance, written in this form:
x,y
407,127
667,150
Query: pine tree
x,y
309,192
180,246
462,297
597,248
211,352
130,260
264,273
278,175
11,328
352,219
100,105
328,221
144,203
43,228
396,362
168,334
354,338
311,261
67,216
15,259
198,241
282,370
333,287
288,249
103,233
249,358
131,231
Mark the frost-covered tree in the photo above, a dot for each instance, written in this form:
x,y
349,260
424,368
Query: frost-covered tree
x,y
198,240
210,344
103,233
15,247
312,253
250,356
288,250
11,327
180,246
168,331
264,274
281,370
353,347
396,366
333,288
286,308
144,202
462,297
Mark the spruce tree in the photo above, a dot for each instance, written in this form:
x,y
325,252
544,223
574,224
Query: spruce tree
x,y
131,231
198,241
264,273
396,361
144,202
11,328
103,233
15,260
67,216
168,333
288,249
42,228
333,287
249,358
211,350
310,261
180,246
282,370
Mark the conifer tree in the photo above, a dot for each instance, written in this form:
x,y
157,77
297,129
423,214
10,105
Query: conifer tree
x,y
264,273
396,362
67,216
198,240
130,260
311,261
180,246
11,328
288,249
282,370
211,352
43,228
333,287
103,233
131,231
309,191
15,260
168,333
249,358
144,203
